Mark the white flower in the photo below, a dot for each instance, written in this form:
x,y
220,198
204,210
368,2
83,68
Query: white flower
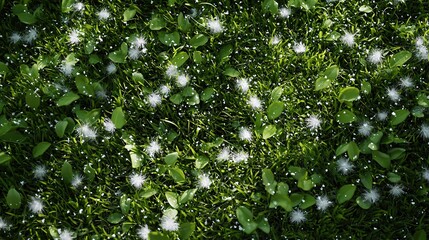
x,y
154,99
396,190
344,166
204,181
371,196
31,35
214,25
134,53
111,68
299,48
65,234
143,232
36,205
109,125
284,12
425,174
240,157
137,180
139,42
104,14
419,41
255,103
406,82
424,130
182,80
382,115
313,122
171,71
67,68
245,134
243,84
224,155
275,40
39,171
3,224
348,39
422,52
322,203
15,37
297,216
164,90
153,148
77,180
85,131
74,36
375,56
78,7
393,94
169,223
365,129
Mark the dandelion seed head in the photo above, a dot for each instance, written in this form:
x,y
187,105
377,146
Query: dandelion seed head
x,y
285,12
143,232
204,181
396,190
371,195
154,99
245,134
164,90
239,157
344,166
30,36
77,180
182,80
348,39
65,234
275,40
322,203
297,216
78,6
382,116
36,205
103,14
424,131
375,56
134,53
425,174
74,36
109,126
139,42
137,180
215,26
422,52
40,171
153,148
393,94
365,129
419,41
313,122
254,102
406,82
171,71
86,132
111,68
67,68
169,223
224,154
299,48
243,84
3,224
15,37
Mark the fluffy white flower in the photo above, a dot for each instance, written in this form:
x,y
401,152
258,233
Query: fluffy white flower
x,y
422,52
39,171
344,166
348,39
275,40
224,155
424,131
214,25
143,232
15,37
85,131
375,56
111,68
322,203
425,174
36,205
67,68
153,148
255,103
154,99
171,71
297,216
406,82
74,36
365,129
77,180
299,47
419,41
3,224
134,53
30,36
393,94
139,42
382,115
284,12
245,134
109,125
103,14
240,157
371,196
396,190
137,180
78,6
65,234
182,80
169,223
313,122
164,90
204,181
243,84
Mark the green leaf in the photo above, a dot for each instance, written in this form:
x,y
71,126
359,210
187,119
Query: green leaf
x,y
115,218
263,224
66,5
172,199
89,117
270,6
345,116
365,9
348,94
207,94
422,100
27,18
362,203
275,109
4,158
296,199
366,179
224,52
399,116
353,151
67,172
197,56
201,161
183,23
194,100
176,98
67,99
119,55
118,118
269,181
148,193
419,235
381,158
269,131
40,148
186,230
157,236
13,199
396,153
365,87
60,128
399,59
326,78
418,111
171,158
89,172
333,36
281,200
169,39
84,86
308,201
187,196
32,99
179,59
129,14
276,94
89,46
177,175
157,23
198,40
231,72
125,204
245,217
342,149
4,69
393,177
346,193
305,184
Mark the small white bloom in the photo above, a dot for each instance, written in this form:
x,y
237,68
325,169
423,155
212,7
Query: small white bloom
x,y
322,203
406,82
111,68
240,157
36,205
299,48
365,129
78,7
371,196
297,216
169,223
275,40
419,41
245,134
139,42
74,36
134,53
137,180
396,190
101,94
143,232
382,116
393,94
422,52
77,180
30,36
214,25
224,155
67,68
109,126
375,56
313,122
255,103
171,71
424,130
164,90
65,234
104,14
425,174
243,84
204,181
285,12
15,37
3,224
182,80
85,131
153,148
344,166
39,171
154,99
348,39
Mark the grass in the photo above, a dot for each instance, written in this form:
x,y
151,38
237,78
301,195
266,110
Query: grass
x,y
200,120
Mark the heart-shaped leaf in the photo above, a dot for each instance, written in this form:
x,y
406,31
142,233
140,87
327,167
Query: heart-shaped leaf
x,y
172,199
13,199
67,99
179,59
269,181
115,218
345,116
269,131
399,116
198,40
245,217
346,193
275,109
40,148
348,94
